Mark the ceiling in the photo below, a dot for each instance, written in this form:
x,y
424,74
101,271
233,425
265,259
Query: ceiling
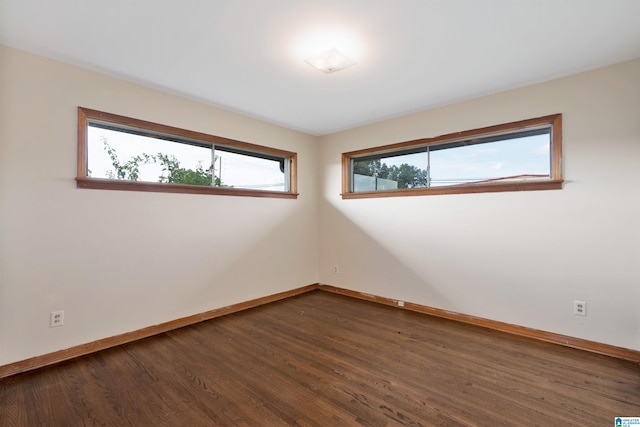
x,y
248,56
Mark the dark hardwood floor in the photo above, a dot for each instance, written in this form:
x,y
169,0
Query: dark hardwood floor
x,y
322,359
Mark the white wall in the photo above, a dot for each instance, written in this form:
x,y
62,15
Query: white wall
x,y
519,257
118,261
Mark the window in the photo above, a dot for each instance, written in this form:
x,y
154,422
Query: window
x,y
523,155
120,153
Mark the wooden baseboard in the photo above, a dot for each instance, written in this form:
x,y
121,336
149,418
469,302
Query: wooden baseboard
x,y
564,340
83,349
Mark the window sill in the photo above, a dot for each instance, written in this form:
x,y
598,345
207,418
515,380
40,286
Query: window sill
x,y
460,189
114,184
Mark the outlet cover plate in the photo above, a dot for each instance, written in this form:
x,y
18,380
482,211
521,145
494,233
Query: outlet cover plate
x,y
580,308
57,318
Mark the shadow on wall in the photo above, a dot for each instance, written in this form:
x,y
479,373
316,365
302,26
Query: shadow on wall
x,y
368,265
454,253
284,257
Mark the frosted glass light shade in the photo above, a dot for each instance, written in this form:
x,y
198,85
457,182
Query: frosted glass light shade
x,y
330,61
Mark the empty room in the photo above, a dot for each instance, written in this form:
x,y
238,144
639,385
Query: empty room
x,y
320,213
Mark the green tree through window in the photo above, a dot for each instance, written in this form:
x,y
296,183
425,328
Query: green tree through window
x,y
172,172
406,175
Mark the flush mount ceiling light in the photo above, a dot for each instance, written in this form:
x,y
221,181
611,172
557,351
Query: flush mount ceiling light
x,y
330,61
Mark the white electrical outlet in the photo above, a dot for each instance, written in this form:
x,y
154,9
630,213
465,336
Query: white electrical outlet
x,y
400,303
335,269
580,308
57,318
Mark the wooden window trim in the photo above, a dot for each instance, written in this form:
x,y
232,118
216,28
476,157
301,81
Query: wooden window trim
x,y
554,183
85,115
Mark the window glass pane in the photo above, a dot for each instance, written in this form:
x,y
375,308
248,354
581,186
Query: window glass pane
x,y
250,172
519,156
390,172
121,155
520,159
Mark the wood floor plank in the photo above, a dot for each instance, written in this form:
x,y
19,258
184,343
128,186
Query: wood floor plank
x,y
323,359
